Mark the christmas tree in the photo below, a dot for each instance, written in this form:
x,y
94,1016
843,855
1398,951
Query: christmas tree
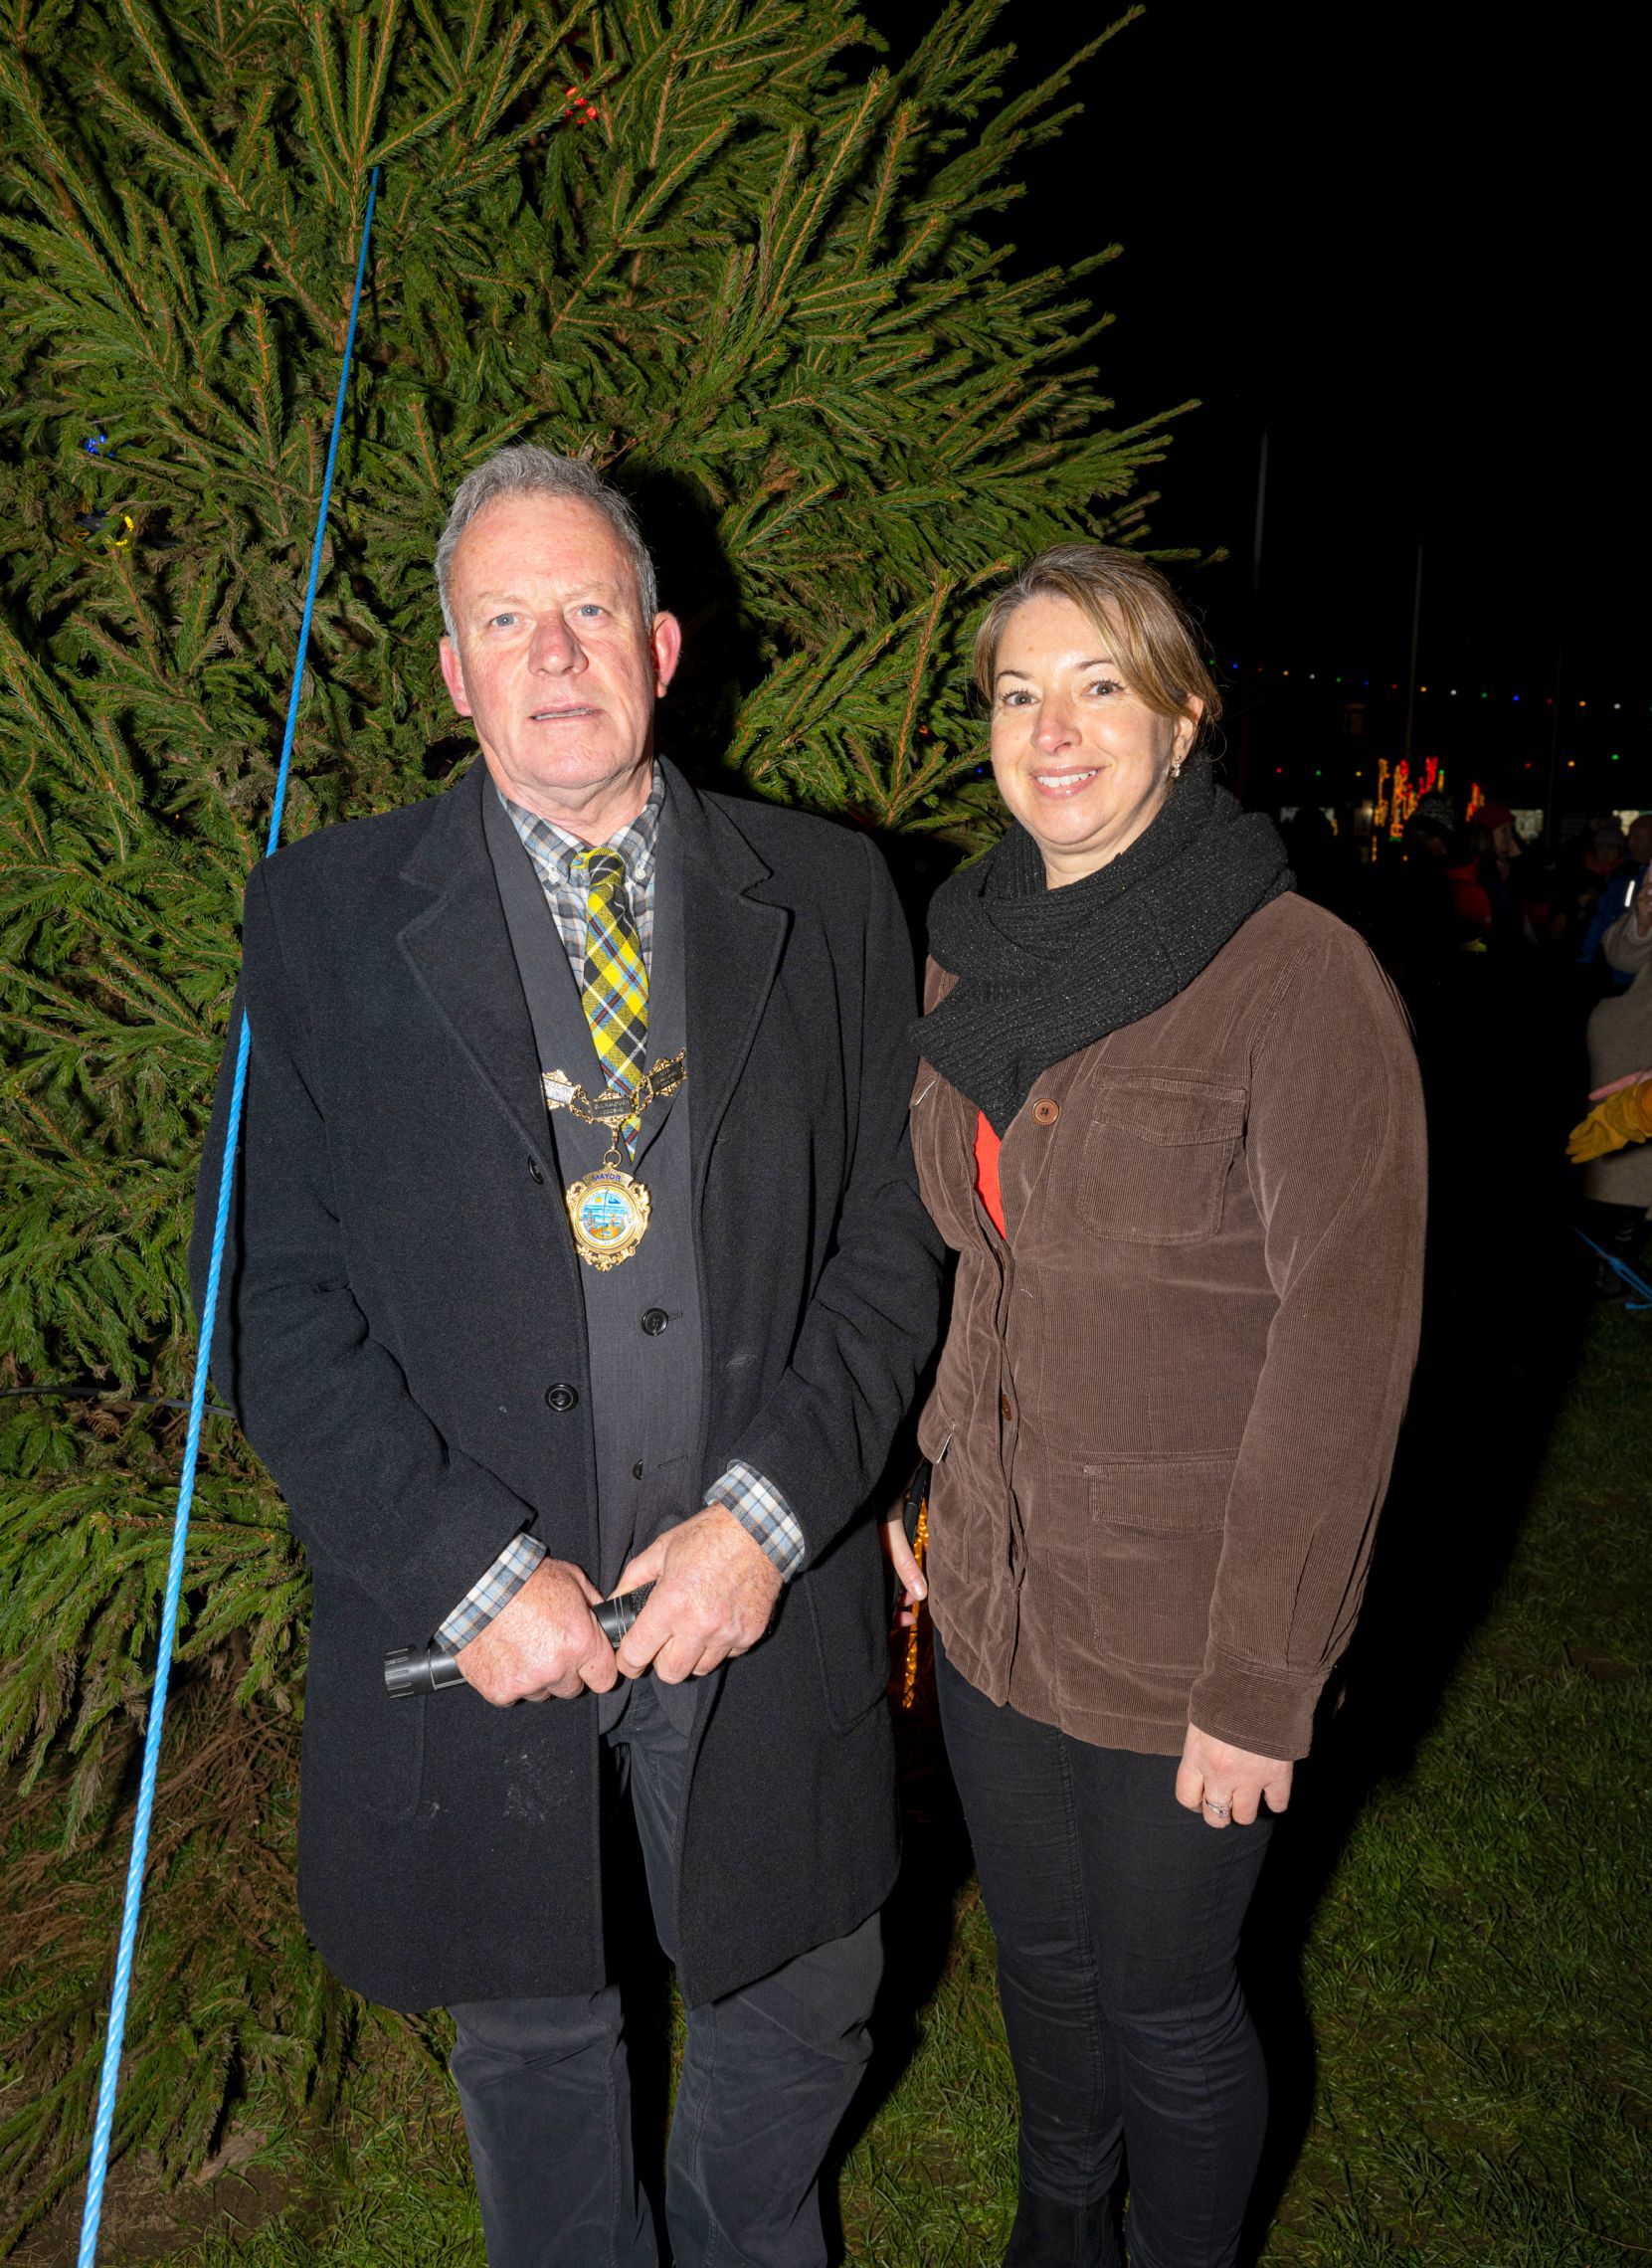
x,y
748,262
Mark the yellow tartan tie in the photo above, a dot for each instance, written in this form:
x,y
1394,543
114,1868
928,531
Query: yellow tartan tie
x,y
616,989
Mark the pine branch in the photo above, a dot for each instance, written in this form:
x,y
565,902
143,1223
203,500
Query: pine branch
x,y
759,282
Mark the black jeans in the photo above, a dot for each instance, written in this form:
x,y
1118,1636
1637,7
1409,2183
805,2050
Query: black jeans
x,y
1117,1915
767,2075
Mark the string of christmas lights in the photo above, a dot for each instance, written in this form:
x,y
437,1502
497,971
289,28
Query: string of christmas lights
x,y
1435,692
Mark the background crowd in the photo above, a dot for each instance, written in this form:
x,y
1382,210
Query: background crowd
x,y
1500,948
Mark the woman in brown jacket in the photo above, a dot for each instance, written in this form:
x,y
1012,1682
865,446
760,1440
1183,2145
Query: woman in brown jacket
x,y
1169,1120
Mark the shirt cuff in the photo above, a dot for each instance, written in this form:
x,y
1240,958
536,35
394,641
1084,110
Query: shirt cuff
x,y
764,1513
497,1587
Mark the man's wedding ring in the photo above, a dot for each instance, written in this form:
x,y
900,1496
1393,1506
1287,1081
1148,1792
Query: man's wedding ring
x,y
1221,1809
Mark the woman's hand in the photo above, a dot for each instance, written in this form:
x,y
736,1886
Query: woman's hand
x,y
899,1553
1228,1783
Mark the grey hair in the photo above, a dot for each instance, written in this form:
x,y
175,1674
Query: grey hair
x,y
525,470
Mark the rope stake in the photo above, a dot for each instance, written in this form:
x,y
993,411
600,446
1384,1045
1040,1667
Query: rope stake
x,y
110,2076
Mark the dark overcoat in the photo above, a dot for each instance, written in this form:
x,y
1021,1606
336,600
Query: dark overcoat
x,y
400,1332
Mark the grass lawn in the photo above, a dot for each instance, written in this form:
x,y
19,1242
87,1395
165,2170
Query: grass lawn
x,y
1450,1958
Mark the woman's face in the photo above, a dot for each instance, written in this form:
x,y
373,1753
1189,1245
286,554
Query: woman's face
x,y
1082,762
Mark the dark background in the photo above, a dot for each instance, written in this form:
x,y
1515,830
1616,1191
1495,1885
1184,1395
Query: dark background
x,y
1395,239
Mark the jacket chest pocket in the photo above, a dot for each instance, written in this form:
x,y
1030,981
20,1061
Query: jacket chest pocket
x,y
1157,1154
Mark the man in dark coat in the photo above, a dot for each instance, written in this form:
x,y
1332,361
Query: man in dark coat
x,y
577,1246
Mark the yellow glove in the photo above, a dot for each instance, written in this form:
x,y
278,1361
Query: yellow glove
x,y
1622,1118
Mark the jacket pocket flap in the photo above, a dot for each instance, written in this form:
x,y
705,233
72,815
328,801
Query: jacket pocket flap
x,y
1159,1108
1164,1495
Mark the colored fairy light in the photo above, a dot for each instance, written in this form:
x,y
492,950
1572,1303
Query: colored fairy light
x,y
95,445
114,528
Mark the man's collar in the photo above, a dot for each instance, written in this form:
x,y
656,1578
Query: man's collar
x,y
635,841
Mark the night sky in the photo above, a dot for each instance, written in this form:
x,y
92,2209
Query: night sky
x,y
1396,238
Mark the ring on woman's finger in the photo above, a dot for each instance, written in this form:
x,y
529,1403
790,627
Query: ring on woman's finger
x,y
1221,1809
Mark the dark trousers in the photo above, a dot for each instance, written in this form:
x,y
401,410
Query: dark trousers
x,y
1117,1915
767,2075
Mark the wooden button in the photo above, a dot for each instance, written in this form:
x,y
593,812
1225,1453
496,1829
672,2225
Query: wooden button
x,y
1004,1410
1047,1110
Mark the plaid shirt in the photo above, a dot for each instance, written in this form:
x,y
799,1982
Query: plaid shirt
x,y
755,1502
553,851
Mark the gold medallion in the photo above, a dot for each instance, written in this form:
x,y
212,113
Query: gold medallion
x,y
608,1212
608,1209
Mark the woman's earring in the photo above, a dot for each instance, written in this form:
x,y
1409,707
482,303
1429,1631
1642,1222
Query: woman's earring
x,y
1176,769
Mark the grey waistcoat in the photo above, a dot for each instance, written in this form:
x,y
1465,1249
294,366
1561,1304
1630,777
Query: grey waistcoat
x,y
644,1373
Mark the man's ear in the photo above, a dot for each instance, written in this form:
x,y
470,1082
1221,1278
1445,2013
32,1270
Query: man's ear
x,y
453,677
665,638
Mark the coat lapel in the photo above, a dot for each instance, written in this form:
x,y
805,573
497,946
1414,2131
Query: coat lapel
x,y
458,950
732,940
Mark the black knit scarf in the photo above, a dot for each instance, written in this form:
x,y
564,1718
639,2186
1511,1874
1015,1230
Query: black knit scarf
x,y
1043,973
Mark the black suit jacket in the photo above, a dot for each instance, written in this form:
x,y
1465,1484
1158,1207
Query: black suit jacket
x,y
401,1330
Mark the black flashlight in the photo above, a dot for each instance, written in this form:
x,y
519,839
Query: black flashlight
x,y
430,1669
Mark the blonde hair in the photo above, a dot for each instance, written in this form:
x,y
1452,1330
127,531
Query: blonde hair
x,y
1150,632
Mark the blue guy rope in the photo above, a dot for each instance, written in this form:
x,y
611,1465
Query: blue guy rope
x,y
109,2080
1626,1275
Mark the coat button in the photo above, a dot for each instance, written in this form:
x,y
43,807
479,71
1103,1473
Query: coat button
x,y
560,1397
1047,1110
636,1472
654,1320
533,1169
1004,1410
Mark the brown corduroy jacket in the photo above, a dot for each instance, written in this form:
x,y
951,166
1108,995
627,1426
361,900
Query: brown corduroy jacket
x,y
1166,1410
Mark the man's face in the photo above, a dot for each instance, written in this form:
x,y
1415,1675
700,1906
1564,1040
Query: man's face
x,y
553,662
1640,840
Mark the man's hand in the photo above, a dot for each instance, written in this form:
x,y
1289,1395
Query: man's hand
x,y
1228,1783
714,1591
545,1644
